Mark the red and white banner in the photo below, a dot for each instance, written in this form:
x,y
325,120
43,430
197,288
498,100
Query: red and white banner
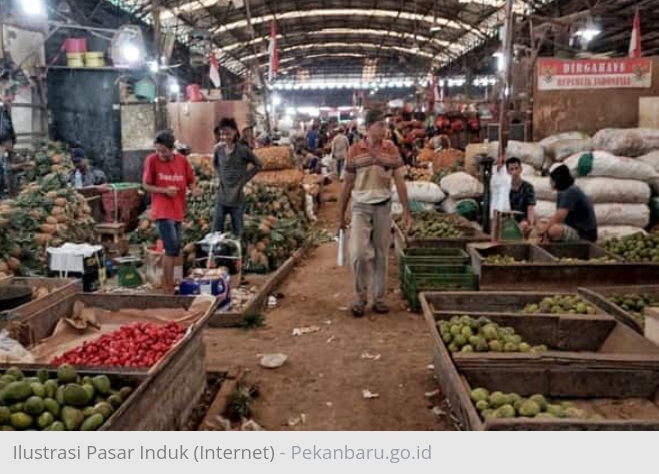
x,y
635,40
583,74
214,72
273,52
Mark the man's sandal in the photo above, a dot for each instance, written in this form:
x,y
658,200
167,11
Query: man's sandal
x,y
359,309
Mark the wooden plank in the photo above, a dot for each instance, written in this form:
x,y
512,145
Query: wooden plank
x,y
600,296
255,306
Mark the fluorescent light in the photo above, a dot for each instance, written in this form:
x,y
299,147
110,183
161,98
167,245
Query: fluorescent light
x,y
153,66
32,7
173,87
130,53
276,99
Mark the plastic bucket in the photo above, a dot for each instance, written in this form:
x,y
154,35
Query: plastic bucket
x,y
146,89
75,45
194,93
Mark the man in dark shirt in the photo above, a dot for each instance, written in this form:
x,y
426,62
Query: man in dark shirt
x,y
575,216
522,196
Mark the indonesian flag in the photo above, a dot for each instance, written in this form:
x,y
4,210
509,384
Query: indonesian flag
x,y
635,42
215,71
273,52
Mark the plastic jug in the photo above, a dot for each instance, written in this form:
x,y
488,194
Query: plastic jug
x,y
78,180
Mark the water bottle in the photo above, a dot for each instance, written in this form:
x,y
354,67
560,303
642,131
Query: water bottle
x,y
78,180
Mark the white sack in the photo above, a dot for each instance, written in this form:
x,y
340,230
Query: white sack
x,y
637,215
421,191
542,188
550,140
632,142
500,186
397,208
607,232
527,170
610,166
461,185
651,159
562,149
528,152
611,190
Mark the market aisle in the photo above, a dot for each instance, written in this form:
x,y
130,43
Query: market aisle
x,y
326,373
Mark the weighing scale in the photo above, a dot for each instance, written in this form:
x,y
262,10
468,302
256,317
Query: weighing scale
x,y
129,277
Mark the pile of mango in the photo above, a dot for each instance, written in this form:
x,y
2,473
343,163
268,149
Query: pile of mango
x,y
466,334
560,304
511,405
433,225
578,261
635,304
66,402
635,248
502,260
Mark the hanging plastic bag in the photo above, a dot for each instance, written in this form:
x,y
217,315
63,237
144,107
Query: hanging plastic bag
x,y
12,352
500,184
341,256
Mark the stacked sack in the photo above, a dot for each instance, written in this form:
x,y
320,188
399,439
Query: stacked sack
x,y
464,194
421,195
620,189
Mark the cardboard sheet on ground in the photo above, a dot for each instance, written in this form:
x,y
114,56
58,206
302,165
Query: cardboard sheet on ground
x,y
66,337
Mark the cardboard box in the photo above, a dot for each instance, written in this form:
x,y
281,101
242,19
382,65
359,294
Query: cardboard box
x,y
153,268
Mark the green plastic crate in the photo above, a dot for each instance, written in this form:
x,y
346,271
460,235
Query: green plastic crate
x,y
414,284
439,256
422,270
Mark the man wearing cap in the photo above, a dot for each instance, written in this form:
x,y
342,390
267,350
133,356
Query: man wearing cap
x,y
371,165
84,175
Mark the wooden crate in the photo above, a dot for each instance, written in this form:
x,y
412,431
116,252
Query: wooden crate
x,y
564,331
625,373
547,273
58,288
471,235
600,296
158,402
580,251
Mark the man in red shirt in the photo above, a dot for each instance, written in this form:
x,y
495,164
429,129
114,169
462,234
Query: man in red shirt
x,y
167,176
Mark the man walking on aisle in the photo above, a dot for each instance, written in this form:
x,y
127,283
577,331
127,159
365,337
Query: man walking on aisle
x,y
340,147
369,169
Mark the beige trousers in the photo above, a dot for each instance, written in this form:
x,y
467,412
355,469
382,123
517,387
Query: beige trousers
x,y
370,237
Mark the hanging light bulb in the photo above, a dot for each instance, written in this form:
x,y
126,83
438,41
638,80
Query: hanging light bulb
x,y
589,31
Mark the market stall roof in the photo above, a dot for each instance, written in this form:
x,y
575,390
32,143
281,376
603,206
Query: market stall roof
x,y
335,38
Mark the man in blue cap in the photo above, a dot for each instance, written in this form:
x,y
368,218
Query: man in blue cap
x,y
84,175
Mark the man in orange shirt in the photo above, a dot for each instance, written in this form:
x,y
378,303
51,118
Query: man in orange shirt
x,y
371,165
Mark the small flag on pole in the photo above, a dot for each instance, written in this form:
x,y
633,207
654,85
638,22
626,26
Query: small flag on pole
x,y
274,53
215,71
635,42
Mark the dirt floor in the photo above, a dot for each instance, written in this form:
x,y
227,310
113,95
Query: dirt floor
x,y
328,370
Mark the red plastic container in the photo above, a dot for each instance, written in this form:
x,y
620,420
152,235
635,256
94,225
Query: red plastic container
x,y
194,93
75,45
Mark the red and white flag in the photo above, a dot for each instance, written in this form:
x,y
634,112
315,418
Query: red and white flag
x,y
273,52
635,42
214,72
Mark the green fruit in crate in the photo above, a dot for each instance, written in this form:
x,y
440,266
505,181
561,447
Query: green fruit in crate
x,y
92,423
66,373
453,348
517,404
447,338
498,399
576,413
45,420
466,332
115,401
489,413
540,400
482,346
505,411
482,405
15,372
102,384
459,340
5,415
489,332
104,409
556,410
50,386
89,389
75,395
21,421
38,390
474,340
56,426
34,406
16,407
42,375
125,392
524,347
8,379
467,349
15,392
529,409
456,329
495,346
72,418
51,406
510,347
479,394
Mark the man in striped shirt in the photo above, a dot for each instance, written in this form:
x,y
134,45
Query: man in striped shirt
x,y
371,165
